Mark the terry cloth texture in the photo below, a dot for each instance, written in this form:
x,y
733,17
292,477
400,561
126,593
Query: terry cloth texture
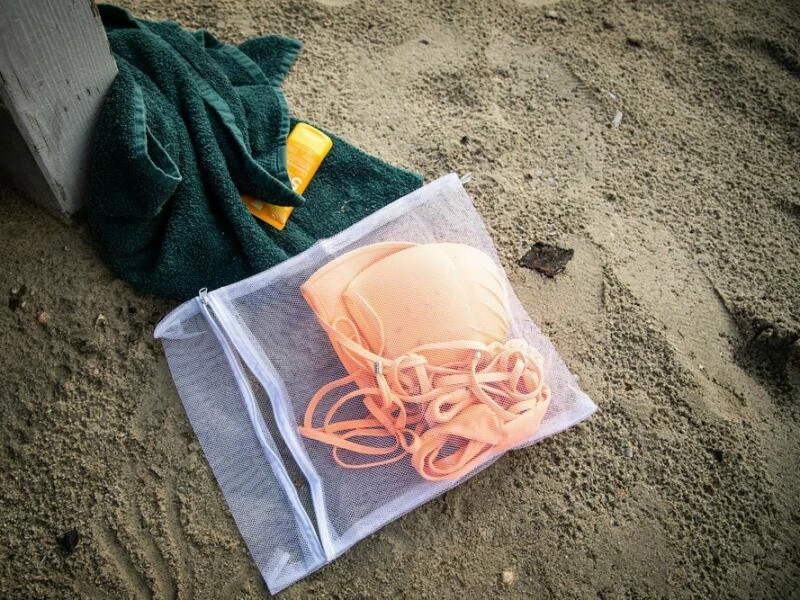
x,y
189,125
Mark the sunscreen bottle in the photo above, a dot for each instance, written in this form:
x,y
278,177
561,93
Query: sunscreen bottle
x,y
306,147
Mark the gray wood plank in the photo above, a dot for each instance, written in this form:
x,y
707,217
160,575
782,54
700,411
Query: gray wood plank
x,y
18,167
55,68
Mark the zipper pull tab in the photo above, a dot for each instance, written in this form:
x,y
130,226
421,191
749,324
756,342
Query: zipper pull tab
x,y
203,296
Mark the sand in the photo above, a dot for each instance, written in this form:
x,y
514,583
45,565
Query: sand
x,y
679,312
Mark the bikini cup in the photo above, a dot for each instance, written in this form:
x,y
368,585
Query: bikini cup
x,y
422,331
324,293
421,296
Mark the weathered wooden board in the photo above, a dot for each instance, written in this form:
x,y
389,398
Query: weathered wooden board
x,y
55,68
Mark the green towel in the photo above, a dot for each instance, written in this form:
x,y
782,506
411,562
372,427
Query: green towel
x,y
189,125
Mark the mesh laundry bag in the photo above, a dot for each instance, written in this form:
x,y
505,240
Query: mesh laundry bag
x,y
248,359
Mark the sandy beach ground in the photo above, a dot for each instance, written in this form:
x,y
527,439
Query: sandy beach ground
x,y
680,313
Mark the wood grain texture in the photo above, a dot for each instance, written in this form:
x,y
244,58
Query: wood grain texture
x,y
55,68
17,165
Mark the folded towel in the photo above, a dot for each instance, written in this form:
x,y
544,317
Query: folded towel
x,y
189,125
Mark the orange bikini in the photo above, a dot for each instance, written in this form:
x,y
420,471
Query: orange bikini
x,y
423,331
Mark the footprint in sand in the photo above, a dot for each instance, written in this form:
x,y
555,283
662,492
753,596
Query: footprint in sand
x,y
142,562
772,49
147,547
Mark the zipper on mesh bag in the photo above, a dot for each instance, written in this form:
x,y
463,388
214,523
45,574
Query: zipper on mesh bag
x,y
259,365
305,527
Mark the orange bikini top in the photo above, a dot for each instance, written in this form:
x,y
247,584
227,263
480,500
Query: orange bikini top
x,y
422,331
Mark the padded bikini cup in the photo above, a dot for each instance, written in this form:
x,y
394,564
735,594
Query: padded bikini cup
x,y
426,294
324,290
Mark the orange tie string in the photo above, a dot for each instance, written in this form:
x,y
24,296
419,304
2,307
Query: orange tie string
x,y
448,418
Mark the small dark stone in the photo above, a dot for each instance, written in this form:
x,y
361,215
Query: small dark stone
x,y
634,42
68,541
15,297
719,455
424,41
464,140
546,259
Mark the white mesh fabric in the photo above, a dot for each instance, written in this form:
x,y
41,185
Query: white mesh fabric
x,y
274,333
258,503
